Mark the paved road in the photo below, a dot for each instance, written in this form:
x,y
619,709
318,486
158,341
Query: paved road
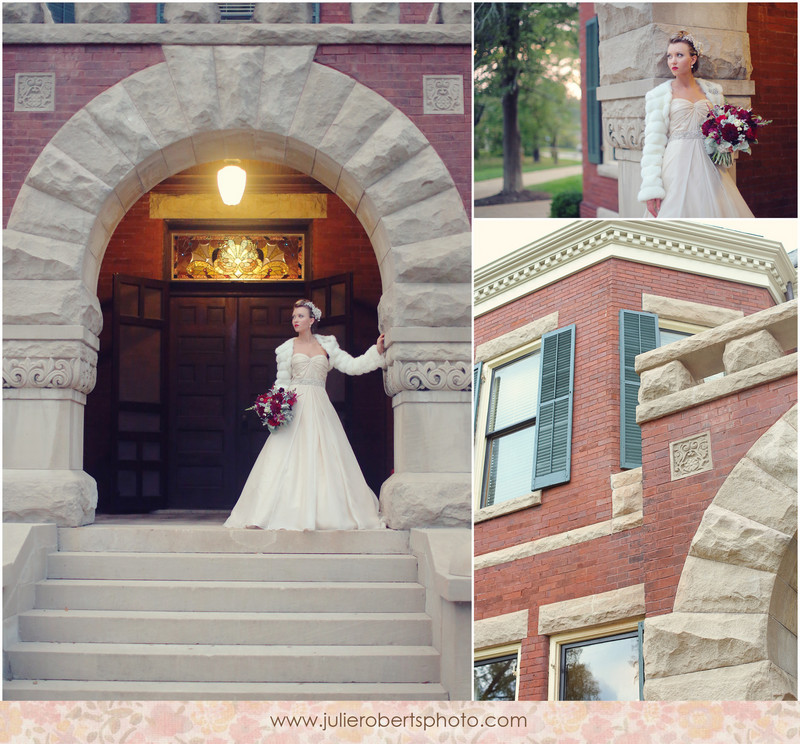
x,y
521,209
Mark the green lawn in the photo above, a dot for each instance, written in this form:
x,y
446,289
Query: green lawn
x,y
570,183
486,167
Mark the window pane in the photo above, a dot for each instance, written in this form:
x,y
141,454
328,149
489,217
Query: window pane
x,y
510,466
601,669
496,679
668,337
514,392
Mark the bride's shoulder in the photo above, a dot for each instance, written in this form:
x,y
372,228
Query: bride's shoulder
x,y
285,347
327,342
662,89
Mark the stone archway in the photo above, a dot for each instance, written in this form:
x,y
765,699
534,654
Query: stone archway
x,y
202,104
733,632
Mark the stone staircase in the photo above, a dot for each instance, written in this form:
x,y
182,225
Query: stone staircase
x,y
203,612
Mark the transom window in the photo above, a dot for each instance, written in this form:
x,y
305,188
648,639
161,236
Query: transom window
x,y
605,668
495,678
511,430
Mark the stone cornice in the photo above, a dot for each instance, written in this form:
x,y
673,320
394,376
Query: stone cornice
x,y
244,34
684,246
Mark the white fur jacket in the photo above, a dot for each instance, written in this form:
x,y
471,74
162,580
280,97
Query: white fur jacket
x,y
339,358
656,126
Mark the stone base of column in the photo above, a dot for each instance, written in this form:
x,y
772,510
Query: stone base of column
x,y
66,497
427,500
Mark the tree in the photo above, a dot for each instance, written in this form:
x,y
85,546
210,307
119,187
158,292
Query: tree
x,y
517,44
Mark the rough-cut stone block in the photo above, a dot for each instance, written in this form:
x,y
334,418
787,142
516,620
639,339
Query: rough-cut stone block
x,y
761,680
23,13
375,12
324,94
669,378
56,302
283,13
775,453
393,143
426,305
626,477
421,176
82,139
239,70
66,497
426,499
191,13
60,176
626,500
742,353
615,19
627,521
709,586
437,216
102,12
195,78
455,12
730,538
439,260
596,609
285,73
518,337
361,115
688,312
501,629
28,256
41,214
162,113
685,642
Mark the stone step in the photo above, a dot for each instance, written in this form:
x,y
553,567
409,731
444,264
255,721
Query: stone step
x,y
231,567
215,539
23,689
222,663
227,628
239,596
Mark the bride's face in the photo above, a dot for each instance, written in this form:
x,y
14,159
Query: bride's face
x,y
680,59
301,319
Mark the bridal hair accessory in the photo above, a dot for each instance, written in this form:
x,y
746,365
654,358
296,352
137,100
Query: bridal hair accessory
x,y
315,311
689,39
274,407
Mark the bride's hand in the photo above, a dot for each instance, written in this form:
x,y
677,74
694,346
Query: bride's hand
x,y
380,343
654,206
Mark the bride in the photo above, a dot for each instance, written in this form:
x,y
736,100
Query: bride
x,y
306,476
678,177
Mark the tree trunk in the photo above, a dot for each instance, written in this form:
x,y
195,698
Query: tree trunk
x,y
512,145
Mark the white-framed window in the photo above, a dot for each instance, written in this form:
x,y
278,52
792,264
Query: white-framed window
x,y
599,663
496,673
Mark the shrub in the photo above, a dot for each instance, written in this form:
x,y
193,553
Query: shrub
x,y
566,204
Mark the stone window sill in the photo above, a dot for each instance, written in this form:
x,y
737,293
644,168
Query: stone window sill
x,y
507,507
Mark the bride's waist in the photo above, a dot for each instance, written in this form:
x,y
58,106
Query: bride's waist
x,y
686,134
314,383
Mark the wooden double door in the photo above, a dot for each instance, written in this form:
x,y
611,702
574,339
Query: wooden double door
x,y
185,440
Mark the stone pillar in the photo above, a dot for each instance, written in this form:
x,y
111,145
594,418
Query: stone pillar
x,y
102,12
375,12
429,376
23,13
47,373
283,13
633,45
191,13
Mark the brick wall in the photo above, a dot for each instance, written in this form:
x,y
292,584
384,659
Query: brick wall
x,y
768,178
595,297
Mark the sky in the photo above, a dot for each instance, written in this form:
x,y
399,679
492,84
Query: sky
x,y
494,238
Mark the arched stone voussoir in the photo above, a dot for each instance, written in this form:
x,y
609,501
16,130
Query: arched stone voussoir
x,y
427,305
324,94
49,216
420,178
194,77
237,67
445,260
55,302
82,139
775,453
27,256
285,73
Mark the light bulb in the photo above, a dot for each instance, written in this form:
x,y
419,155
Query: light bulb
x,y
231,181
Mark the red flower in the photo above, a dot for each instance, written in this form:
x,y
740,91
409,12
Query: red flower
x,y
730,133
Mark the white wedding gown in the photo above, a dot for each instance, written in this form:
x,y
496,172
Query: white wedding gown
x,y
694,186
306,476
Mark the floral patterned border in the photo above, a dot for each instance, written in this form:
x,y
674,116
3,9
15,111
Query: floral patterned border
x,y
402,722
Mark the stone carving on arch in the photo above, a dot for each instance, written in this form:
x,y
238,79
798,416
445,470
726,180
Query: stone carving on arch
x,y
732,634
205,103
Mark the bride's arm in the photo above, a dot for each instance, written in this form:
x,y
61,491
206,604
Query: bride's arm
x,y
368,361
283,356
656,121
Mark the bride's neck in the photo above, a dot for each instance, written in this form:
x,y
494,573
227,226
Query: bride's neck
x,y
305,337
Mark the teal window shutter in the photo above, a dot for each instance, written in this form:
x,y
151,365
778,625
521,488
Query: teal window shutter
x,y
476,389
638,333
553,444
640,632
594,123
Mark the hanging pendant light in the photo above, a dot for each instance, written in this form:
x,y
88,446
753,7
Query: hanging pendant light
x,y
231,181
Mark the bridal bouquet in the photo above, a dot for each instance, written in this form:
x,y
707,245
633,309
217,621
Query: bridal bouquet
x,y
274,407
729,129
